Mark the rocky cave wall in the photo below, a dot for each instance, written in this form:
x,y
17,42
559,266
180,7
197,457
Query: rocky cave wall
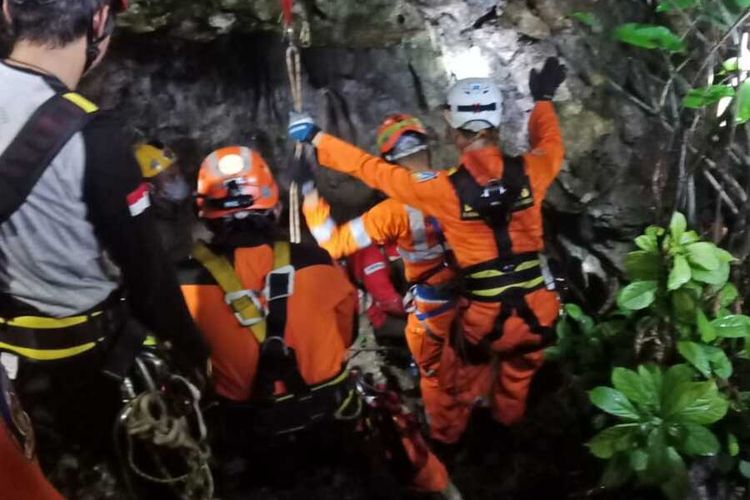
x,y
203,74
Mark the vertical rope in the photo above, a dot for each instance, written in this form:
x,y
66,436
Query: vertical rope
x,y
294,71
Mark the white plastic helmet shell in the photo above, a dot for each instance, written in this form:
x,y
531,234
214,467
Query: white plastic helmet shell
x,y
474,104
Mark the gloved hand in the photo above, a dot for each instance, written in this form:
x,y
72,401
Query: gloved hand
x,y
302,127
302,172
543,84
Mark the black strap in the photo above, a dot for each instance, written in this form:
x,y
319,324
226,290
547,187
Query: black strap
x,y
278,361
495,201
40,140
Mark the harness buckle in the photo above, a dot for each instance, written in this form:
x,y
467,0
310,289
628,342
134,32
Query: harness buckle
x,y
279,283
231,299
409,299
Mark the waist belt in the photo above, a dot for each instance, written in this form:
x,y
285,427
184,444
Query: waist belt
x,y
494,280
42,338
335,399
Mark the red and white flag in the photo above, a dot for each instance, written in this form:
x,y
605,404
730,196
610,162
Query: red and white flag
x,y
139,200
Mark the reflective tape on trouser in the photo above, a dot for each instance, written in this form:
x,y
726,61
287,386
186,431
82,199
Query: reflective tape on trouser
x,y
48,339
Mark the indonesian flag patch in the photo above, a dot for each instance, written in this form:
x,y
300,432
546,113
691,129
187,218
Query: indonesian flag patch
x,y
138,200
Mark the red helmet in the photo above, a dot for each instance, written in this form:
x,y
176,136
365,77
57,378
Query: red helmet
x,y
394,127
233,180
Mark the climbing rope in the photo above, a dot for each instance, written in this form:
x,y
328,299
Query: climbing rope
x,y
294,71
148,419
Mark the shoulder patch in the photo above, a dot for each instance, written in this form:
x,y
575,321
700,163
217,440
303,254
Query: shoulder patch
x,y
424,176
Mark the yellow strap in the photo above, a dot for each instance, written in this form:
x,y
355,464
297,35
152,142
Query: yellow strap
x,y
80,101
281,254
494,273
526,285
224,274
49,354
45,323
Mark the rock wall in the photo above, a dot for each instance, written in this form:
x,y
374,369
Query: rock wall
x,y
201,75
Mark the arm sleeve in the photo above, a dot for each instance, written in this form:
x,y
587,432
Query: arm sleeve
x,y
547,146
381,224
395,181
118,205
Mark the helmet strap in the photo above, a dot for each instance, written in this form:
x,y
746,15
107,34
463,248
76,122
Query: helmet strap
x,y
93,42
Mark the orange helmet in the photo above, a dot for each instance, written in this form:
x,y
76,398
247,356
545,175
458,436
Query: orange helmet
x,y
393,129
234,180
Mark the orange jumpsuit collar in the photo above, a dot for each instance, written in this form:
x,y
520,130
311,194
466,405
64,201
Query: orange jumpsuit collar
x,y
484,164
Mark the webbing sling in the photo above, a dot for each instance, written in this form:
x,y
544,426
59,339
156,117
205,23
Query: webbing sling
x,y
245,306
40,140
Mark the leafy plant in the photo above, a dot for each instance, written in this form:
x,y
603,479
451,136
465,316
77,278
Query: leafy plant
x,y
664,417
680,288
649,36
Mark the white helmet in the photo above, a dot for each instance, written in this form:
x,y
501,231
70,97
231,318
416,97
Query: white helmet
x,y
474,104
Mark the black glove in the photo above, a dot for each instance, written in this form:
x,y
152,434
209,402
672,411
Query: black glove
x,y
543,84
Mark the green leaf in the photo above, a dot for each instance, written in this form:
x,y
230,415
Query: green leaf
x,y
676,485
703,255
651,377
720,364
649,36
684,305
689,237
668,5
612,440
680,273
647,242
733,445
725,256
744,468
613,402
730,65
637,295
727,295
676,375
696,403
617,472
677,226
706,96
694,353
654,232
642,265
718,278
699,441
574,311
552,353
734,326
705,327
633,387
586,18
743,102
638,460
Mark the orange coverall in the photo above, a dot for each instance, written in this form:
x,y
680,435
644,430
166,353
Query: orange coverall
x,y
423,253
319,327
473,242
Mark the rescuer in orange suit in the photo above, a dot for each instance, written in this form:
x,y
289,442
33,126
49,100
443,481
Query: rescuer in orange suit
x,y
402,139
20,476
489,209
279,317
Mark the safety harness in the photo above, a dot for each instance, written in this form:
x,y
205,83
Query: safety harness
x,y
301,404
508,278
22,164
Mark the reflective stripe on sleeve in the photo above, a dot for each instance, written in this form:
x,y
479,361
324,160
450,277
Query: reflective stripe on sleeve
x,y
359,233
